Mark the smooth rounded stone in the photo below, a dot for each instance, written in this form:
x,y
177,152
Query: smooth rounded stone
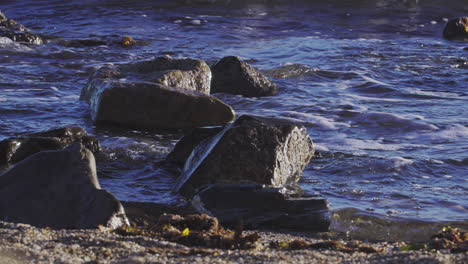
x,y
16,149
252,149
58,189
118,95
188,142
232,75
258,206
456,29
17,32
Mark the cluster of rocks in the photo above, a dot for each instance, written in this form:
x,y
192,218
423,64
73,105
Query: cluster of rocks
x,y
15,31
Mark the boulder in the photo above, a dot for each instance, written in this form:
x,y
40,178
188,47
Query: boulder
x,y
17,32
151,95
58,189
258,206
15,149
188,142
457,29
252,149
232,75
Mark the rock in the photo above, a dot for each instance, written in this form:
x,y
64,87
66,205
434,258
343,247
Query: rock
x,y
123,41
17,32
16,149
258,206
457,29
134,95
188,142
252,149
58,189
231,75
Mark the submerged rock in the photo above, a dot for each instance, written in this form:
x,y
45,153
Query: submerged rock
x,y
123,41
162,93
58,189
17,32
252,149
16,149
188,142
232,75
258,206
457,29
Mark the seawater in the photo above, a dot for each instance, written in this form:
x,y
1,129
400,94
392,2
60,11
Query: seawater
x,y
383,96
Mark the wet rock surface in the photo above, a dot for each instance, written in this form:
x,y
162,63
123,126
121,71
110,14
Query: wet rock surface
x,y
58,189
457,29
256,206
252,149
134,95
15,31
188,142
234,76
15,149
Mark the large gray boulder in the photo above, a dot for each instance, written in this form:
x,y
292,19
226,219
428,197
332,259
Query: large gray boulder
x,y
16,149
252,149
58,189
17,32
137,95
456,29
232,75
258,206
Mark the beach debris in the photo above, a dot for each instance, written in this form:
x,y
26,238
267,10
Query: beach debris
x,y
234,76
252,149
163,93
58,189
16,149
448,238
195,231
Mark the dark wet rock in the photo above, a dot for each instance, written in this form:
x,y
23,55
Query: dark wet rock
x,y
162,93
58,189
188,142
252,149
125,41
457,29
16,149
17,32
258,206
232,75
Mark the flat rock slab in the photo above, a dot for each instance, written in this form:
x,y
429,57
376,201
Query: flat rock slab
x,y
148,95
17,32
58,189
457,29
234,76
258,206
16,149
252,149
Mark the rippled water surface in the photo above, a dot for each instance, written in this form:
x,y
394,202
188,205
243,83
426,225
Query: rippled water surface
x,y
383,96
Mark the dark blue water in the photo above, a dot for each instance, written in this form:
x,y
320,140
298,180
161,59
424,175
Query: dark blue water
x,y
383,96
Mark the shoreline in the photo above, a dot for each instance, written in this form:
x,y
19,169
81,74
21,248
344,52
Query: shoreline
x,y
21,243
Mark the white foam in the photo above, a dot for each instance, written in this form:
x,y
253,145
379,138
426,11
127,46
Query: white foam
x,y
314,120
400,162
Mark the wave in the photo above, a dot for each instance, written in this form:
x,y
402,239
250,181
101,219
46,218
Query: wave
x,y
359,224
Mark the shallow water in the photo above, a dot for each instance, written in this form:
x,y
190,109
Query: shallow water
x,y
382,94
